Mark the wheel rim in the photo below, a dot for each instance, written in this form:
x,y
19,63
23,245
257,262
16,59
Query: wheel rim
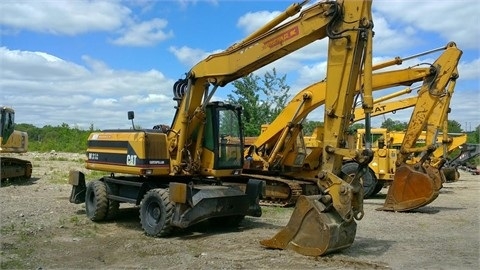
x,y
153,214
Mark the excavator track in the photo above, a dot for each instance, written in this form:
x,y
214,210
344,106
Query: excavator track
x,y
15,168
282,192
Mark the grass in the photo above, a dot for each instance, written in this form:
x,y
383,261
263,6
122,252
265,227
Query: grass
x,y
58,177
18,251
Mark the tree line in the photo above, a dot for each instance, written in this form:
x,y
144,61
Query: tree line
x,y
262,99
62,138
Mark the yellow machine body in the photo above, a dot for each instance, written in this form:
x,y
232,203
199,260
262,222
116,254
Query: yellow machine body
x,y
13,141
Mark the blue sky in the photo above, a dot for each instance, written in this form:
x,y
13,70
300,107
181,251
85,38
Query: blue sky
x,y
89,62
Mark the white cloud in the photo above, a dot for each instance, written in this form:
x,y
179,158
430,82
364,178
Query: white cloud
x,y
36,66
190,56
63,17
470,71
252,21
146,33
453,20
186,3
46,92
83,16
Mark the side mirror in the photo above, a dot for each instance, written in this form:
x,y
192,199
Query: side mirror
x,y
131,115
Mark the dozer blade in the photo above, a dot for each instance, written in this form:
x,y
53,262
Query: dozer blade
x,y
409,190
313,229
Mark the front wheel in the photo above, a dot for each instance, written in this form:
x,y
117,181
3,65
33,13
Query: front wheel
x,y
369,180
96,202
156,212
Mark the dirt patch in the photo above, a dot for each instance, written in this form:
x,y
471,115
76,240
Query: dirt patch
x,y
41,229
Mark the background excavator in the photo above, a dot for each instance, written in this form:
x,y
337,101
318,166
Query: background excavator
x,y
178,177
416,185
468,152
420,177
281,154
385,144
13,141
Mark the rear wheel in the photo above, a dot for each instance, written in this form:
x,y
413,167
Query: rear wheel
x,y
96,202
369,180
156,212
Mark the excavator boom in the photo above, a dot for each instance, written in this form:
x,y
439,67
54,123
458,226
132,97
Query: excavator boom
x,y
312,226
416,185
289,166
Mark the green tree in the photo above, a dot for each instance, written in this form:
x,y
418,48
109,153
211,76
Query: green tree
x,y
60,138
394,125
454,126
262,99
474,136
309,126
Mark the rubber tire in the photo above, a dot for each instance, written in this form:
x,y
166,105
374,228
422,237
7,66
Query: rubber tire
x,y
156,212
96,202
369,180
377,188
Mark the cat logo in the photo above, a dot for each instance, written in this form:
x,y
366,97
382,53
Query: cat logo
x,y
379,108
131,160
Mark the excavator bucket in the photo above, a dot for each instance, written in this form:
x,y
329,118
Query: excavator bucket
x,y
412,189
451,174
313,229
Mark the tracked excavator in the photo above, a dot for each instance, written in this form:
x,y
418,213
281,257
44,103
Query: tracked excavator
x,y
178,177
281,154
13,141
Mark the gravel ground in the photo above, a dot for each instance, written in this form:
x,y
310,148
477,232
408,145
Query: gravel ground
x,y
40,229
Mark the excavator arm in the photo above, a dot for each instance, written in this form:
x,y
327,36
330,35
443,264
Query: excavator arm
x,y
416,185
348,52
272,138
271,42
280,151
380,108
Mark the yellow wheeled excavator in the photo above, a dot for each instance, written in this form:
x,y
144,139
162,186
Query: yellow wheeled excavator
x,y
13,141
179,177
